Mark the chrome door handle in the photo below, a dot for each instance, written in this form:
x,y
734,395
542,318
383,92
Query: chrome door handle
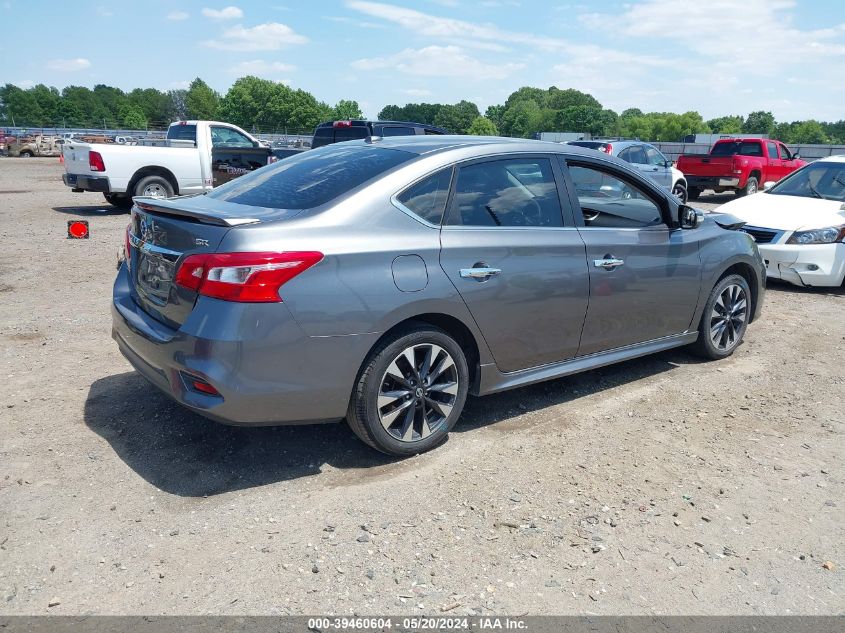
x,y
479,273
608,264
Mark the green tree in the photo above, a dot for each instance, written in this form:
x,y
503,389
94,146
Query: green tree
x,y
155,105
559,99
48,100
346,109
19,107
759,122
726,124
132,117
494,113
523,118
457,118
527,93
201,101
482,126
177,106
112,100
810,132
631,113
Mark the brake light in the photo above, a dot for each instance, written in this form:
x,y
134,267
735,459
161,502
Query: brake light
x,y
342,124
608,148
246,277
95,161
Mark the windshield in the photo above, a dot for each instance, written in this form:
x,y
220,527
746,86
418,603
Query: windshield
x,y
817,180
312,178
743,148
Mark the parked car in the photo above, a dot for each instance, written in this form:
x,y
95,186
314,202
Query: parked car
x,y
284,152
384,280
645,158
799,224
39,145
337,131
195,156
739,165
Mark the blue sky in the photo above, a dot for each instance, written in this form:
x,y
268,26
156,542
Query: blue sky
x,y
714,56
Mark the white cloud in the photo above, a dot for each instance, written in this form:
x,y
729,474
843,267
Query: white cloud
x,y
228,13
359,23
417,92
438,61
25,84
178,15
179,85
105,12
264,37
68,65
260,68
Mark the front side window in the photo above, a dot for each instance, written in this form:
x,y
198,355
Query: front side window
x,y
506,193
608,201
227,137
427,198
654,157
637,156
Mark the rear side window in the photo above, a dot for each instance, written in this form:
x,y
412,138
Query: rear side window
x,y
513,192
322,136
772,149
350,133
310,179
427,198
182,133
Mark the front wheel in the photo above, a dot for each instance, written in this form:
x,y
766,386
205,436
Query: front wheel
x,y
26,154
410,392
725,318
680,192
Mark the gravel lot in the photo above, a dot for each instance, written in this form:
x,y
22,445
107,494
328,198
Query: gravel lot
x,y
662,485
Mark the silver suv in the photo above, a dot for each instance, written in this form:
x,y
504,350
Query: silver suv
x,y
382,281
646,159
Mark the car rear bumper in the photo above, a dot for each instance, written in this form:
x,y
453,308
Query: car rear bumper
x,y
805,265
264,367
711,182
87,183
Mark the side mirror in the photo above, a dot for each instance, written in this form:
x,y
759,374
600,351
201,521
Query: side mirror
x,y
768,185
689,218
670,163
796,156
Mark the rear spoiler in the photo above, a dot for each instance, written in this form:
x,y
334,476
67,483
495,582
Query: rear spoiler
x,y
156,205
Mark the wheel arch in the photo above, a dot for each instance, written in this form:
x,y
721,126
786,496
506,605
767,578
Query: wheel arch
x,y
152,170
453,326
746,271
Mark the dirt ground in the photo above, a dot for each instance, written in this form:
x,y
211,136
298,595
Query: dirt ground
x,y
659,486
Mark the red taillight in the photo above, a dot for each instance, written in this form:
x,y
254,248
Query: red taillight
x,y
608,148
342,124
95,161
248,277
204,387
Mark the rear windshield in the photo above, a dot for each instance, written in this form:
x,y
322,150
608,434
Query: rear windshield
x,y
310,179
589,144
327,135
747,148
182,132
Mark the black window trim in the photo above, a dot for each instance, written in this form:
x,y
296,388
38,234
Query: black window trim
x,y
564,200
653,191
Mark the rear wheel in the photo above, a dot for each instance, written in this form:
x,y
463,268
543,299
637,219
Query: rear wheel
x,y
750,187
26,154
693,193
154,187
410,392
725,318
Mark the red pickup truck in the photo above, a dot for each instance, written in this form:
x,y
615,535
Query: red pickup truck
x,y
737,164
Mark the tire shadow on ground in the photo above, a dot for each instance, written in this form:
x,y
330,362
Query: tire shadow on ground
x,y
104,209
185,454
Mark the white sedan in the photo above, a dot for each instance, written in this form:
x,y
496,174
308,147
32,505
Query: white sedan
x,y
799,224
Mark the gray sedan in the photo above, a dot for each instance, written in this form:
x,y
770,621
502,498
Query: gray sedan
x,y
382,281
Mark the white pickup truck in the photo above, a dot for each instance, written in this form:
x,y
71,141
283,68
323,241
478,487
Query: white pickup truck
x,y
195,156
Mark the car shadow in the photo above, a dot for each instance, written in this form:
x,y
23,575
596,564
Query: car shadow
x,y
104,209
184,454
715,198
825,291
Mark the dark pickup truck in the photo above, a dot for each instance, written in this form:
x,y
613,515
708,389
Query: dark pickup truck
x,y
338,131
737,164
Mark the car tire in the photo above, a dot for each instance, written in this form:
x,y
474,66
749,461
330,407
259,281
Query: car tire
x,y
154,187
725,318
26,154
400,406
693,193
750,188
680,192
119,201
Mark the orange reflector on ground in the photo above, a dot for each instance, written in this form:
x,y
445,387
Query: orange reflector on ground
x,y
77,229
